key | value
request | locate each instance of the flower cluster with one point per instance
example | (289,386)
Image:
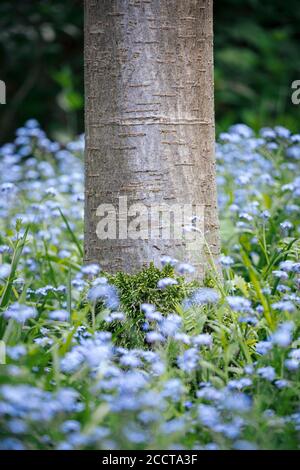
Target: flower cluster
(219,370)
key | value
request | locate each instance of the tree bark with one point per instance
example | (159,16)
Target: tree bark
(149,115)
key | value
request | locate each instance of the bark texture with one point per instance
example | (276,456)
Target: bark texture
(149,120)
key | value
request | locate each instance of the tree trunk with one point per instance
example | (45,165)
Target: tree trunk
(149,117)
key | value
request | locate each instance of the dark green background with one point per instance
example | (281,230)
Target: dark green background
(256,59)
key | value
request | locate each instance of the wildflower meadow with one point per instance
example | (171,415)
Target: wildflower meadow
(92,360)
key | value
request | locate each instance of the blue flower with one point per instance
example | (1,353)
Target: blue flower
(283,335)
(202,296)
(184,268)
(281,383)
(263,347)
(91,269)
(20,313)
(284,306)
(154,337)
(208,415)
(165,282)
(173,426)
(59,315)
(239,304)
(188,361)
(226,261)
(267,373)
(173,389)
(168,260)
(170,325)
(105,293)
(70,426)
(203,339)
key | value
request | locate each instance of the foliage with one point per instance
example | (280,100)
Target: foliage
(217,369)
(256,60)
(141,288)
(41,63)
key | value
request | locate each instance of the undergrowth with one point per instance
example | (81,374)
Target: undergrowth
(150,361)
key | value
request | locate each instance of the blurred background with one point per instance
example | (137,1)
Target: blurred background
(41,61)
